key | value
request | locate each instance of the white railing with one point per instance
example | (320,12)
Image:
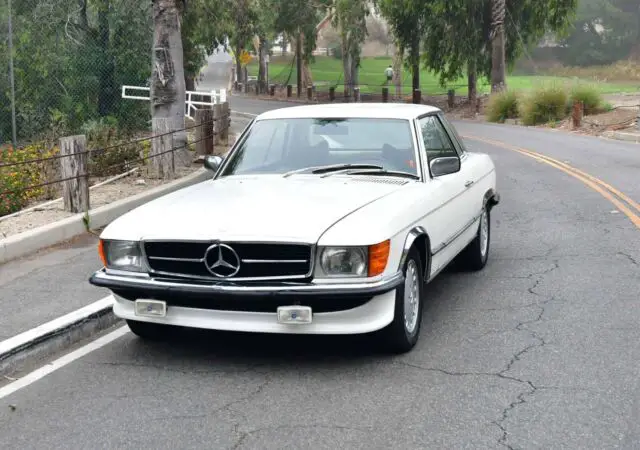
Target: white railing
(191,105)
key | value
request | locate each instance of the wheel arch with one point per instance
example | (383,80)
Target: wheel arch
(491,199)
(418,238)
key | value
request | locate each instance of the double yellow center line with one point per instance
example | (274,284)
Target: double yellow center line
(624,203)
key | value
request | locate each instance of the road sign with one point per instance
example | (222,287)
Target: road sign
(245,57)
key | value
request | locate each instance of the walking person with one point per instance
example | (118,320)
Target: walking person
(388,73)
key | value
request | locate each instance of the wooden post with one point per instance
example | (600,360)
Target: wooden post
(226,123)
(204,132)
(75,191)
(332,93)
(356,94)
(162,151)
(451,98)
(578,111)
(385,94)
(417,96)
(289,90)
(309,93)
(272,90)
(217,123)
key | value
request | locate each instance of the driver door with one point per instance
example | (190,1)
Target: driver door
(453,214)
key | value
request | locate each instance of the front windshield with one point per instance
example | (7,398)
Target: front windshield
(278,146)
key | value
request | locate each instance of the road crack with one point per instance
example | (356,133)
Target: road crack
(630,258)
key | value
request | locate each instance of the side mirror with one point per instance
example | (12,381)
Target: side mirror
(444,166)
(212,162)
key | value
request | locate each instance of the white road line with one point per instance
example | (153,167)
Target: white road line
(56,324)
(63,361)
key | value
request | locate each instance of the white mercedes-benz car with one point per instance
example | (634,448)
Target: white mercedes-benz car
(322,219)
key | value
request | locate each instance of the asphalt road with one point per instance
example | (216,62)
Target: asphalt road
(539,350)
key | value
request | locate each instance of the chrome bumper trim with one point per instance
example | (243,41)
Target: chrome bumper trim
(150,286)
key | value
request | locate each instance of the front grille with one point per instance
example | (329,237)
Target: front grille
(255,260)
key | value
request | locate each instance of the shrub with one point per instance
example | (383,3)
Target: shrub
(110,154)
(589,96)
(15,181)
(502,106)
(544,104)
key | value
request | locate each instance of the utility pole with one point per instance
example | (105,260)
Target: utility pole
(498,78)
(14,138)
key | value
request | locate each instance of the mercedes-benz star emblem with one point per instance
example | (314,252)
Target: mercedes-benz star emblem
(221,261)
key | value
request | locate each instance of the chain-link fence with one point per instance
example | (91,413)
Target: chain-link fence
(70,59)
(34,174)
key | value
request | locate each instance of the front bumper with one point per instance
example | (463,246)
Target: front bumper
(148,287)
(346,308)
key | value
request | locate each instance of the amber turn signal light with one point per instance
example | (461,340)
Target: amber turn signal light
(378,256)
(103,258)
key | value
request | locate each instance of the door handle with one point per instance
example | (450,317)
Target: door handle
(468,183)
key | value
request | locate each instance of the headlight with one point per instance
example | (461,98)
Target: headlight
(344,261)
(121,255)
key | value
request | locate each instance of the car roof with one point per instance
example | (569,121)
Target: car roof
(406,111)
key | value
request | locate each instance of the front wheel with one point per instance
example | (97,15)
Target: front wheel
(402,334)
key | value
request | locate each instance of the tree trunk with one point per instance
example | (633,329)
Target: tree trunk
(107,94)
(239,73)
(397,70)
(299,64)
(190,83)
(307,79)
(472,83)
(498,77)
(355,71)
(346,68)
(168,81)
(415,62)
(262,65)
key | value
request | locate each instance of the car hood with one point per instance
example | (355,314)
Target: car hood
(265,208)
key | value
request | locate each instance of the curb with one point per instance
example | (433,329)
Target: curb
(30,241)
(57,335)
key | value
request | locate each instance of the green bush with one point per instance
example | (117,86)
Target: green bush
(16,181)
(589,96)
(502,106)
(544,104)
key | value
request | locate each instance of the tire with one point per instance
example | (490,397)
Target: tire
(149,331)
(400,336)
(475,256)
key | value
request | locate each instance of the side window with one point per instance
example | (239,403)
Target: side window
(436,139)
(454,135)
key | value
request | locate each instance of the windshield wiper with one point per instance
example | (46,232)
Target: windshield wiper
(381,171)
(333,168)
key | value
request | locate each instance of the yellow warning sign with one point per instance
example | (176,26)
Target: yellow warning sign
(245,57)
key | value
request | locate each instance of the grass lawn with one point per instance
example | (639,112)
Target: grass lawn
(327,71)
